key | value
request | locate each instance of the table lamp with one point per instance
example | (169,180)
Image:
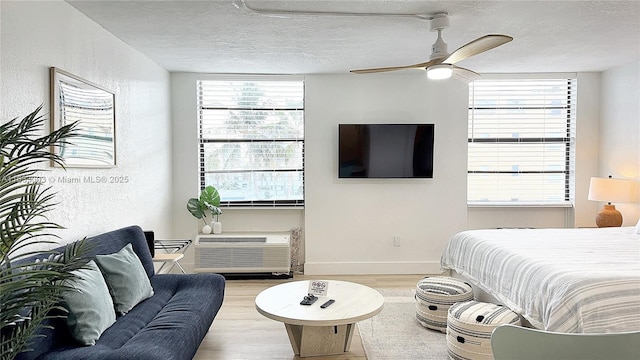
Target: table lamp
(610,190)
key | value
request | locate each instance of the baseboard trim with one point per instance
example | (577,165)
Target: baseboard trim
(373,268)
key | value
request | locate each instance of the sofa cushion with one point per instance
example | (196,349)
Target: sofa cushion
(125,276)
(89,305)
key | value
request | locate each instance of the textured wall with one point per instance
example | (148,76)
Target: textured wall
(37,35)
(619,150)
(185,175)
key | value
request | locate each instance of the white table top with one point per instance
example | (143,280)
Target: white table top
(353,302)
(168,257)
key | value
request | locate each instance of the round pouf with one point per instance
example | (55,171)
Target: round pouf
(469,328)
(434,296)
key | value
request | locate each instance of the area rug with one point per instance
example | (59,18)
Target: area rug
(395,334)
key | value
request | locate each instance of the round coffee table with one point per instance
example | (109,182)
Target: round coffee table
(315,331)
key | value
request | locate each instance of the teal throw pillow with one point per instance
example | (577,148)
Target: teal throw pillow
(89,304)
(126,278)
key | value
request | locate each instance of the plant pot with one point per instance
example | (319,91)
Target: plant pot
(206,229)
(217,227)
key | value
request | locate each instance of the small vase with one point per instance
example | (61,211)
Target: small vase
(217,227)
(206,229)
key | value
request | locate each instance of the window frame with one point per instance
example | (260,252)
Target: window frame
(568,141)
(282,203)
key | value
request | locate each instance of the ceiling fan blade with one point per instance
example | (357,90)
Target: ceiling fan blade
(463,74)
(393,68)
(476,47)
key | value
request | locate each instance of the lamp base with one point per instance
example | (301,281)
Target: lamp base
(609,217)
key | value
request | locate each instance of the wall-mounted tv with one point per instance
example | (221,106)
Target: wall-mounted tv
(385,150)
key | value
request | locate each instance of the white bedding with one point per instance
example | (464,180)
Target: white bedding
(564,280)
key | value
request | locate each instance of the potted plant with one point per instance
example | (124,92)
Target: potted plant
(30,291)
(209,201)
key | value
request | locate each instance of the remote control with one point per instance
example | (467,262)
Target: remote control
(326,305)
(309,299)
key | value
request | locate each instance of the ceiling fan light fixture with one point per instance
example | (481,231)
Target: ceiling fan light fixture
(439,72)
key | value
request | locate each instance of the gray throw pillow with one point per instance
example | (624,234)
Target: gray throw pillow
(89,304)
(126,278)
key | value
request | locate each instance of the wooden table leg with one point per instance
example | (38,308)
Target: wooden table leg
(319,340)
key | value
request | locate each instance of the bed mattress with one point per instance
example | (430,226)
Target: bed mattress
(564,280)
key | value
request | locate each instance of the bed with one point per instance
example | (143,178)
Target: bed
(562,280)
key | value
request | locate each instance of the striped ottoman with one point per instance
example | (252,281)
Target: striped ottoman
(469,328)
(434,295)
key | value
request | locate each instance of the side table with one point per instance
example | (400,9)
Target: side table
(168,259)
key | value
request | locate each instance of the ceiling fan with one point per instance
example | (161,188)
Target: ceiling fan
(441,64)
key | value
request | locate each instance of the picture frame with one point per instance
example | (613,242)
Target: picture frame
(74,99)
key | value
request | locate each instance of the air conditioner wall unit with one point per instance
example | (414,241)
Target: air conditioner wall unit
(243,253)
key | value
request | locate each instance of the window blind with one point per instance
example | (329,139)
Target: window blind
(252,141)
(521,142)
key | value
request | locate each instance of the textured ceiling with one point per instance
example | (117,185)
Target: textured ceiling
(225,37)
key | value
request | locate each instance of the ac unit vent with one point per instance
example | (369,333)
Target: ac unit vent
(243,253)
(235,239)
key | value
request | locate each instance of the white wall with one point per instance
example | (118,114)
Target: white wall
(350,223)
(186,182)
(587,142)
(619,147)
(37,35)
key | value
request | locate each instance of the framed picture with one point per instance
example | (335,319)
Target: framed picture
(74,99)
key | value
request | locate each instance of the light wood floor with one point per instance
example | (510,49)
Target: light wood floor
(239,332)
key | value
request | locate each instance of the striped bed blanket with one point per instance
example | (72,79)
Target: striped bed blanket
(563,280)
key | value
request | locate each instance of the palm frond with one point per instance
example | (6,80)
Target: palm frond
(30,290)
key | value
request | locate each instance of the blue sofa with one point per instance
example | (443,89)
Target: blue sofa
(169,325)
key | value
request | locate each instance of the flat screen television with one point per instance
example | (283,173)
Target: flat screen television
(385,150)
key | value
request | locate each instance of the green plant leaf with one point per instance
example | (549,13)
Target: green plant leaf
(209,200)
(210,196)
(196,208)
(214,209)
(29,291)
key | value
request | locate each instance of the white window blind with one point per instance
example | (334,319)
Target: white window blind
(521,142)
(252,141)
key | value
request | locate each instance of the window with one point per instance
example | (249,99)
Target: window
(252,141)
(521,142)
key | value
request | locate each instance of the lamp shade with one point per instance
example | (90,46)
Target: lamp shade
(611,190)
(437,72)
